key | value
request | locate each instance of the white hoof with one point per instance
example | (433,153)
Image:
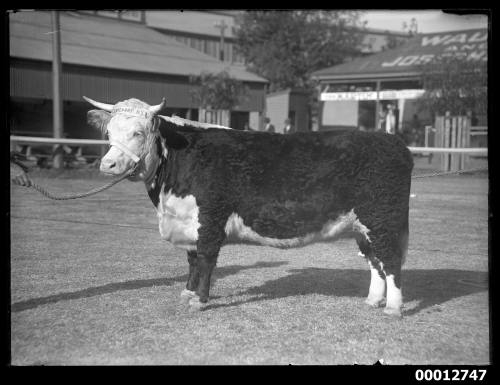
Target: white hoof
(186,295)
(393,312)
(195,304)
(374,302)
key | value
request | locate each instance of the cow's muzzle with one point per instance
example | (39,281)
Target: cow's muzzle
(114,164)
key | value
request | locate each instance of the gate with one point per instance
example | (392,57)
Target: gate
(452,132)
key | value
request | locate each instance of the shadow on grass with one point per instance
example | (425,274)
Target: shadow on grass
(427,287)
(130,285)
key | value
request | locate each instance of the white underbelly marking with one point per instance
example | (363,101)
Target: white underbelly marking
(178,220)
(358,227)
(237,231)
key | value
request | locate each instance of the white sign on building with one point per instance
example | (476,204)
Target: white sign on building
(371,95)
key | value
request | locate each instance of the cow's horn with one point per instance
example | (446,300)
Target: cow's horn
(102,106)
(156,109)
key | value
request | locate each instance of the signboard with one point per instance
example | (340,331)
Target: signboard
(471,46)
(400,94)
(371,95)
(359,95)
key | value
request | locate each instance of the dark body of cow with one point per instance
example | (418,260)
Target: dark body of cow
(282,191)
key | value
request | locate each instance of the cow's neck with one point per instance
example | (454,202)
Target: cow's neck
(149,179)
(163,177)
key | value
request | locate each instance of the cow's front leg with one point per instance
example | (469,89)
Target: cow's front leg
(206,264)
(193,278)
(209,243)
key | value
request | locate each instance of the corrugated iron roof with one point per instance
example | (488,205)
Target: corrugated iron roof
(191,21)
(405,59)
(98,42)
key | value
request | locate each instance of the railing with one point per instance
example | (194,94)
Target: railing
(481,151)
(77,142)
(478,130)
(14,139)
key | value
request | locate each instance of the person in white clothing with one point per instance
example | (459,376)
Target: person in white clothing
(390,120)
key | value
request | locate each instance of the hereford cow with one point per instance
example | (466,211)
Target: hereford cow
(214,186)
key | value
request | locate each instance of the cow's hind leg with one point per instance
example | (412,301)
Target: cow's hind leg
(390,248)
(385,245)
(394,295)
(193,278)
(393,269)
(376,293)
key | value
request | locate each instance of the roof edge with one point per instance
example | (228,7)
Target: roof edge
(347,77)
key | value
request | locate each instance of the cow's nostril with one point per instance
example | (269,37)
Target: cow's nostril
(106,164)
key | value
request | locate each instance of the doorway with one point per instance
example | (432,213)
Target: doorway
(239,119)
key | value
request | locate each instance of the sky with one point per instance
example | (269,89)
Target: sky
(428,21)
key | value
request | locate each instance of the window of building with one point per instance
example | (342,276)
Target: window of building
(352,87)
(132,15)
(401,85)
(137,16)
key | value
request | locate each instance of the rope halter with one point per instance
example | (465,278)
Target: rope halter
(149,113)
(125,150)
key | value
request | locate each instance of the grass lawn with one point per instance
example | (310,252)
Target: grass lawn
(93,283)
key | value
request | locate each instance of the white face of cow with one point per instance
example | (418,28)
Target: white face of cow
(130,127)
(127,136)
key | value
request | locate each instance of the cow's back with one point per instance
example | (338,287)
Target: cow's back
(287,166)
(285,186)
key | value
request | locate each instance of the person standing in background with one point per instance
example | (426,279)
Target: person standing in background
(288,127)
(381,119)
(268,127)
(390,120)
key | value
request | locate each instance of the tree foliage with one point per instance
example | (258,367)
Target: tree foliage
(453,83)
(218,91)
(285,47)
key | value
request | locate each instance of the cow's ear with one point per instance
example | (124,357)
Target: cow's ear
(98,119)
(169,133)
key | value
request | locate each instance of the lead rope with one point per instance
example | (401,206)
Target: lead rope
(50,195)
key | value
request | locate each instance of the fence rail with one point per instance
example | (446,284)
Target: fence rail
(39,140)
(15,139)
(450,150)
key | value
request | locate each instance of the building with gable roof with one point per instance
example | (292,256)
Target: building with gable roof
(355,94)
(107,59)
